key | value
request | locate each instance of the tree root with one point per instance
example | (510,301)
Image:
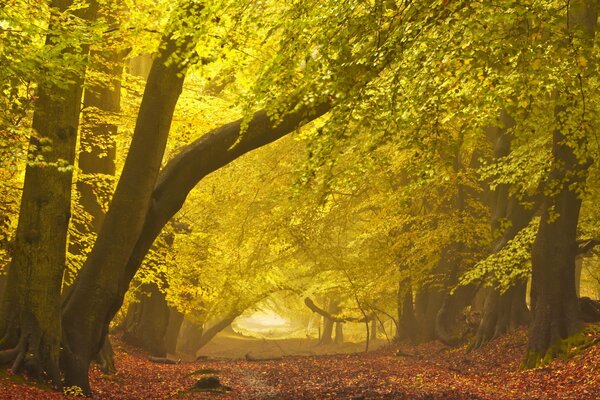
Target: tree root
(27,358)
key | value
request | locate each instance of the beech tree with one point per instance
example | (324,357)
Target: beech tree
(390,213)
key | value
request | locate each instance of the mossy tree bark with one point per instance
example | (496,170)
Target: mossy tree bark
(30,311)
(555,312)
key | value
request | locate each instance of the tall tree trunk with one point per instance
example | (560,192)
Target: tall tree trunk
(554,305)
(30,311)
(96,295)
(374,329)
(555,313)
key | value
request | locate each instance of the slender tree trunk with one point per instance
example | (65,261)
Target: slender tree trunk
(555,312)
(30,311)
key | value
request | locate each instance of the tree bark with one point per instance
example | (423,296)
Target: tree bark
(30,311)
(147,321)
(172,335)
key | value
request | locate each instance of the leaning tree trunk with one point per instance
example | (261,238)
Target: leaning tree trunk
(30,311)
(178,178)
(555,312)
(91,303)
(209,333)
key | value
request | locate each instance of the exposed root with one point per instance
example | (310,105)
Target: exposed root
(27,358)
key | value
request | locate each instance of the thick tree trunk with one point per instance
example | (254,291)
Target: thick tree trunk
(96,295)
(147,321)
(502,312)
(327,334)
(554,304)
(450,327)
(555,312)
(30,311)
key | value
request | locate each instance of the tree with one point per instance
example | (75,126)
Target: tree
(31,327)
(554,304)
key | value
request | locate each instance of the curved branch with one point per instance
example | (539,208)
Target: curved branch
(310,304)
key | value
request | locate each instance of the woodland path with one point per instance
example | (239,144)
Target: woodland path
(430,371)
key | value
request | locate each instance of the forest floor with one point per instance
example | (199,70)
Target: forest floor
(430,371)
